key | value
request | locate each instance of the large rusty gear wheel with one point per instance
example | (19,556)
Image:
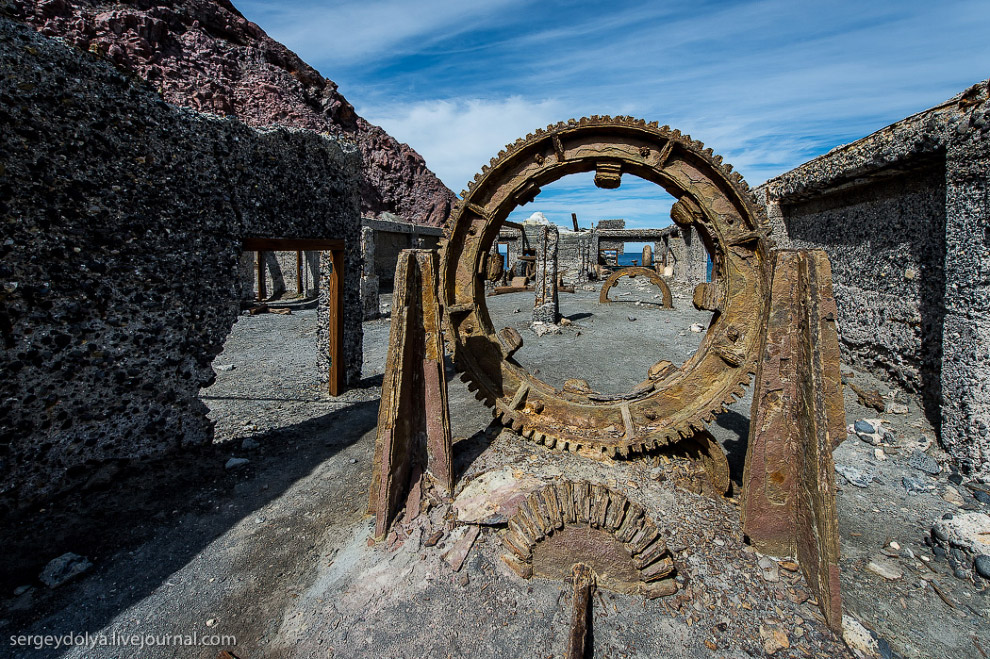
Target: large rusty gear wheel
(674,403)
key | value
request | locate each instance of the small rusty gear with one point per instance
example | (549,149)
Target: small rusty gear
(674,403)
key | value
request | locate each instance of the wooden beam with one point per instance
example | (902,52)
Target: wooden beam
(583,587)
(414,403)
(292,244)
(336,329)
(512,225)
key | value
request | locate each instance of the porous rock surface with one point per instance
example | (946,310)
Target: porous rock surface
(121,225)
(903,215)
(204,55)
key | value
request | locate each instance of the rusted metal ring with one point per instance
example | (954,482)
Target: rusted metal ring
(655,279)
(710,196)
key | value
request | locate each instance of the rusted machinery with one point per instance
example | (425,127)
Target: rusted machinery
(670,404)
(773,317)
(655,279)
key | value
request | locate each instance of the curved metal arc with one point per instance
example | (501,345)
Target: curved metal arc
(681,404)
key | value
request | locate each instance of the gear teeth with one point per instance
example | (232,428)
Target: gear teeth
(518,421)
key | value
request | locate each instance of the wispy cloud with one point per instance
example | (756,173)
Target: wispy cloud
(342,33)
(768,84)
(457,137)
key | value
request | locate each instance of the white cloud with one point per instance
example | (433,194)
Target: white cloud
(458,136)
(768,84)
(346,32)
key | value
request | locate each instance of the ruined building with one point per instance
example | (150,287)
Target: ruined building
(679,251)
(904,215)
(124,222)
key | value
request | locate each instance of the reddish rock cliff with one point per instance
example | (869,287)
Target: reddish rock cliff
(203,54)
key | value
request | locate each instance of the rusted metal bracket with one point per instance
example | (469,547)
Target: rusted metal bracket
(414,417)
(788,498)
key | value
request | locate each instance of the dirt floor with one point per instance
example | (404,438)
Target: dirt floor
(275,552)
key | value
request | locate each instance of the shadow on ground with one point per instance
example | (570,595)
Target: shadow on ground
(184,502)
(735,444)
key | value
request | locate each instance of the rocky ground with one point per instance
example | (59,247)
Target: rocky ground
(275,550)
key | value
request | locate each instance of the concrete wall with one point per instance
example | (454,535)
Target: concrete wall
(682,249)
(382,239)
(618,245)
(391,236)
(120,245)
(904,214)
(886,243)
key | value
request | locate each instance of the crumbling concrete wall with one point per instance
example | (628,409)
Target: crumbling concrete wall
(886,243)
(573,250)
(370,305)
(618,245)
(391,236)
(121,225)
(903,214)
(683,251)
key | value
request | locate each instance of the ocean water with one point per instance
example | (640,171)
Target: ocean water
(628,258)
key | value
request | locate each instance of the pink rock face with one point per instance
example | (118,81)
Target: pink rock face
(204,55)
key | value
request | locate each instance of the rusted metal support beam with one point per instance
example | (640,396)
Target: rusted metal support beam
(584,585)
(336,329)
(414,417)
(788,497)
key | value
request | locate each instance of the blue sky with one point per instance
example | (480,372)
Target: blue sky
(768,85)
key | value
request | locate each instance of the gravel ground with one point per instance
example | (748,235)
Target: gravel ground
(275,552)
(615,343)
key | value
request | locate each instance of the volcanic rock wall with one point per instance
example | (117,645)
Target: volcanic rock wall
(204,55)
(904,215)
(121,225)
